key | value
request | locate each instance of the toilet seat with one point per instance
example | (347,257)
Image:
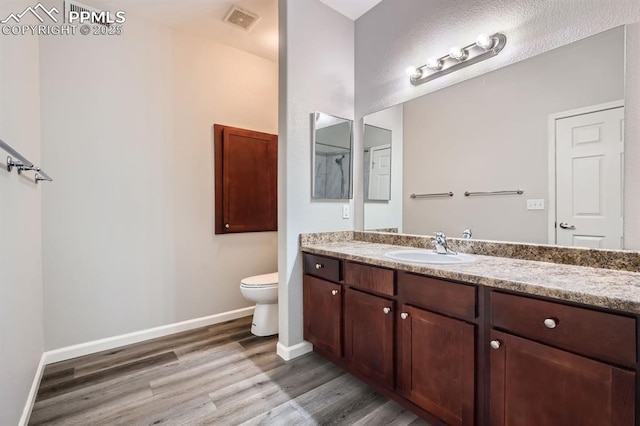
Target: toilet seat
(260,281)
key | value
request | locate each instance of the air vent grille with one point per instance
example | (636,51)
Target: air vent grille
(74,6)
(241,18)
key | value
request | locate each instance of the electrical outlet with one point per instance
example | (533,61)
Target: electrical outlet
(345,211)
(535,204)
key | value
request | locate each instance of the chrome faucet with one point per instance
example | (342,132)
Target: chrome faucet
(467,234)
(440,243)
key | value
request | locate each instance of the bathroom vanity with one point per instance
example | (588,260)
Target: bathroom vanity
(500,341)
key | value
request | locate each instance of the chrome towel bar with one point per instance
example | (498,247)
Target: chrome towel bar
(21,163)
(434,195)
(512,192)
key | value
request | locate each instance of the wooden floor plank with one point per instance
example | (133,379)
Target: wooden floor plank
(104,375)
(215,375)
(86,410)
(284,414)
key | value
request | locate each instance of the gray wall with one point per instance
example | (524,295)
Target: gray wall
(316,74)
(490,133)
(389,38)
(128,225)
(21,325)
(632,140)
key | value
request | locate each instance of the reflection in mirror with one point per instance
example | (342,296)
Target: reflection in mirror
(331,150)
(377,163)
(550,125)
(382,129)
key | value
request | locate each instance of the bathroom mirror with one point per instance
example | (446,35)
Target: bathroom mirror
(498,132)
(332,141)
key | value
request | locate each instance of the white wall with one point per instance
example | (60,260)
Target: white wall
(21,326)
(316,74)
(128,226)
(389,38)
(388,214)
(490,133)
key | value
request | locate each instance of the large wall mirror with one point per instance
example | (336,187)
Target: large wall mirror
(537,144)
(332,141)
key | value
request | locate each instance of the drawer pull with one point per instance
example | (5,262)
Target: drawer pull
(495,344)
(334,292)
(550,323)
(404,315)
(319,266)
(386,310)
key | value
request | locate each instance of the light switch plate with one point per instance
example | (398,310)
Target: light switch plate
(345,211)
(535,204)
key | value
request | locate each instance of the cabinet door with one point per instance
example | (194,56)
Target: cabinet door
(437,365)
(536,385)
(322,303)
(369,335)
(246,182)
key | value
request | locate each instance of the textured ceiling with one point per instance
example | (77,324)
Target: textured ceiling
(205,18)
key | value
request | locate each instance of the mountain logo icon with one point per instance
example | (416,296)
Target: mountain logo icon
(39,11)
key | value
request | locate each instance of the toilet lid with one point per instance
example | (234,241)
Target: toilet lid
(260,280)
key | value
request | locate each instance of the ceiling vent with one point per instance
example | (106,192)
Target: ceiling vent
(97,15)
(241,18)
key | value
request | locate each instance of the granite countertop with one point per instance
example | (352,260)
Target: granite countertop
(606,288)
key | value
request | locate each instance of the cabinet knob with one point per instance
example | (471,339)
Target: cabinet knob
(334,292)
(404,315)
(495,344)
(550,323)
(227,226)
(386,310)
(319,266)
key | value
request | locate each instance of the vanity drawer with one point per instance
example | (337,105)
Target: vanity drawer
(601,335)
(372,278)
(442,296)
(327,268)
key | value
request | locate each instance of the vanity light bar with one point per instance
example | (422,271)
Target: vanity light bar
(484,47)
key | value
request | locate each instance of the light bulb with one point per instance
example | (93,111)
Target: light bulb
(458,54)
(434,63)
(414,72)
(485,42)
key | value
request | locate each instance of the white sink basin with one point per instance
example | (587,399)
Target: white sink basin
(429,257)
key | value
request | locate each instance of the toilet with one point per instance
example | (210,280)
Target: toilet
(263,290)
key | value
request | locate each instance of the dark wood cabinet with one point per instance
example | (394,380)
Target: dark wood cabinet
(246,180)
(605,336)
(532,384)
(369,332)
(438,364)
(462,354)
(322,303)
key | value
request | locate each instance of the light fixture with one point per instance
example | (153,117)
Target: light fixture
(414,72)
(485,42)
(434,63)
(458,54)
(485,47)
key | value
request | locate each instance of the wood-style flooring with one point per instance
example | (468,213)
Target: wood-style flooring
(218,375)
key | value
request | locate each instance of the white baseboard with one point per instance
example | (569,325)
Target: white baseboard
(31,398)
(290,352)
(82,349)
